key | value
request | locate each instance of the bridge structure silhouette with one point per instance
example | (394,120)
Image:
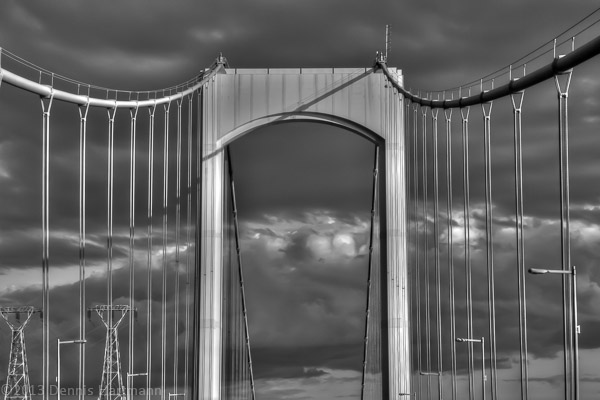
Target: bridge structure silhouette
(405,335)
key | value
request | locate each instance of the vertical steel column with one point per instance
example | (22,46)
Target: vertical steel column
(394,367)
(487,110)
(211,248)
(46,107)
(132,158)
(464,112)
(165,214)
(571,378)
(83,111)
(517,103)
(451,300)
(151,111)
(436,229)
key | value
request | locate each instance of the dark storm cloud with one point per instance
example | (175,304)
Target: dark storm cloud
(289,166)
(318,282)
(288,362)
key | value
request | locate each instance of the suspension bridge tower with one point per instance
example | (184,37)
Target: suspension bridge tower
(17,381)
(111,387)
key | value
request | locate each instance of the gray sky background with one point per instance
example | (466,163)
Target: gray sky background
(304,189)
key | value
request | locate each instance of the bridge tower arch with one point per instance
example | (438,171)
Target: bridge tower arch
(238,101)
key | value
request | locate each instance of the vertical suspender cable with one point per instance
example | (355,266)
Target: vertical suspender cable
(132,153)
(571,384)
(410,198)
(417,247)
(186,358)
(392,305)
(425,251)
(406,384)
(369,274)
(438,294)
(109,225)
(46,106)
(467,209)
(198,294)
(151,111)
(83,111)
(163,322)
(177,255)
(241,277)
(517,102)
(487,109)
(392,277)
(451,300)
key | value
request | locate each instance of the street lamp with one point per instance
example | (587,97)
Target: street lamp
(129,376)
(575,326)
(483,377)
(58,343)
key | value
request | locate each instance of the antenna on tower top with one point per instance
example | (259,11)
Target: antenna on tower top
(388,44)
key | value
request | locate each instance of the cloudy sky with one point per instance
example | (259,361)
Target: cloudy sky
(303,189)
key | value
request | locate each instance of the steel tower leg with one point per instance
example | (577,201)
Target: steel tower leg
(17,380)
(211,254)
(112,387)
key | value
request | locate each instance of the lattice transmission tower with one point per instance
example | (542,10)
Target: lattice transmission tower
(111,387)
(17,380)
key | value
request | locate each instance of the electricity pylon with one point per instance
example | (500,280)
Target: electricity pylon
(111,387)
(17,380)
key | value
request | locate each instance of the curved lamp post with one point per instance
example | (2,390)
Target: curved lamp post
(58,343)
(575,326)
